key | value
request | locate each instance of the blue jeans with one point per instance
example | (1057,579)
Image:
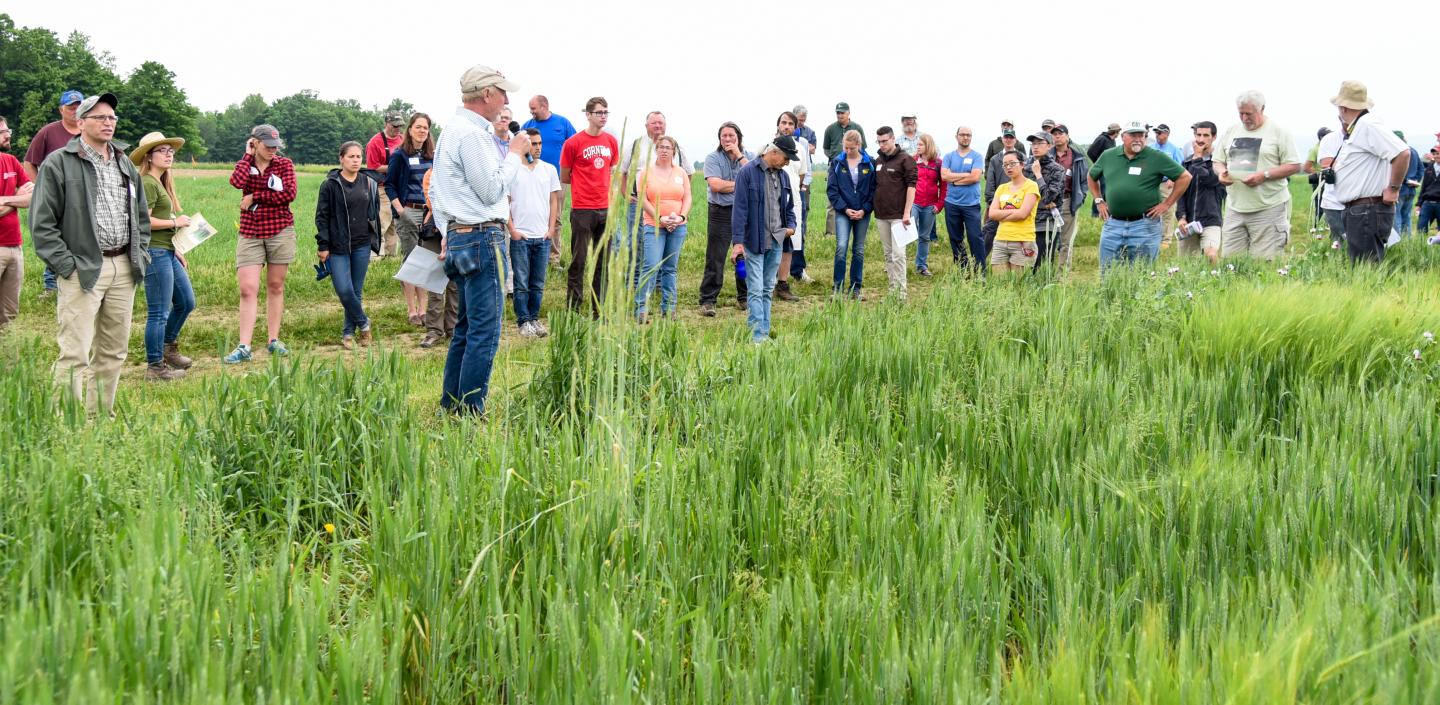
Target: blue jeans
(660,261)
(849,233)
(924,217)
(49,277)
(962,224)
(472,261)
(347,275)
(1130,240)
(761,268)
(1403,210)
(169,299)
(1429,213)
(529,256)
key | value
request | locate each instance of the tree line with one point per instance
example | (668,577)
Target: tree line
(36,66)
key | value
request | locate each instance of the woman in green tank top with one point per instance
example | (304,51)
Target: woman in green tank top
(168,294)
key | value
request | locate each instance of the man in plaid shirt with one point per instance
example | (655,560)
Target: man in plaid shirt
(267,236)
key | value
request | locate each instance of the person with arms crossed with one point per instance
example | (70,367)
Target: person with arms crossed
(666,208)
(962,170)
(1013,210)
(15,189)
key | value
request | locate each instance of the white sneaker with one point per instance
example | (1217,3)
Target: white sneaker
(805,276)
(540,328)
(527,330)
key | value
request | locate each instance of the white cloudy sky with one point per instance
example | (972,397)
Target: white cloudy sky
(1084,64)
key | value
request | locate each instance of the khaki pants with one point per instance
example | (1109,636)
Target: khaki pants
(1067,232)
(441,310)
(1263,234)
(894,255)
(1167,221)
(12,273)
(390,243)
(1209,239)
(95,333)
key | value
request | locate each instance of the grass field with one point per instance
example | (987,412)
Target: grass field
(1172,487)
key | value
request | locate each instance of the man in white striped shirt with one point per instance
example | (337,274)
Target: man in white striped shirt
(468,195)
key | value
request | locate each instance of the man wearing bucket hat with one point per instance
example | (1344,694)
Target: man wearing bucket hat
(1369,172)
(377,158)
(91,224)
(48,140)
(169,298)
(469,192)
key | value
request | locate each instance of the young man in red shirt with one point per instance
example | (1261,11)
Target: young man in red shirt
(15,188)
(586,163)
(377,158)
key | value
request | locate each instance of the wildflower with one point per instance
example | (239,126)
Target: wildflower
(1283,271)
(329,528)
(1335,245)
(1214,272)
(1415,353)
(1230,267)
(1190,295)
(1428,336)
(1172,270)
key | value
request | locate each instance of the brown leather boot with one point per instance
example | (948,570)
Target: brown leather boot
(782,291)
(161,372)
(174,359)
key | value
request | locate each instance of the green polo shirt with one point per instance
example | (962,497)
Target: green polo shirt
(1132,186)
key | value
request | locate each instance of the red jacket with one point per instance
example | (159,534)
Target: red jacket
(929,189)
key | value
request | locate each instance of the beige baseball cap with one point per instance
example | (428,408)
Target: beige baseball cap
(477,77)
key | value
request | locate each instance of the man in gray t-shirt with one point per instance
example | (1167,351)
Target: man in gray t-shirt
(721,166)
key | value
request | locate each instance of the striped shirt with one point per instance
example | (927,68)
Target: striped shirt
(468,183)
(112,206)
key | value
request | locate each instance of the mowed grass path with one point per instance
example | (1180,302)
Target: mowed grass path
(1205,485)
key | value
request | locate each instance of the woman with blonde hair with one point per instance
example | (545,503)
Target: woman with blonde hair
(666,212)
(929,200)
(169,298)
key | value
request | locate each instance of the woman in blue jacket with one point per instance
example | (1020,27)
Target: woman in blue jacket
(347,230)
(852,193)
(405,197)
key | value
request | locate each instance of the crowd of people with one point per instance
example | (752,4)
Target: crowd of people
(486,199)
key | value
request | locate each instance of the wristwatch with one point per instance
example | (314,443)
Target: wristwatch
(1265,174)
(1099,200)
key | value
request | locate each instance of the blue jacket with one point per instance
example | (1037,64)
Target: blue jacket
(397,177)
(844,194)
(747,220)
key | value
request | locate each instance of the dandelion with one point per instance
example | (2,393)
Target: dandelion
(329,528)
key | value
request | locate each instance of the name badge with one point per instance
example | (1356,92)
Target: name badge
(968,160)
(414,161)
(1134,171)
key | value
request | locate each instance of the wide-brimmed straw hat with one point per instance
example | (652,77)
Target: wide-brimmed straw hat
(1353,96)
(151,141)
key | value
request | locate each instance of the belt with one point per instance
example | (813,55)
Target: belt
(1128,220)
(413,204)
(121,250)
(473,228)
(1367,201)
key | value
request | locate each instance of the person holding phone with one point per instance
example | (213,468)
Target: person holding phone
(267,236)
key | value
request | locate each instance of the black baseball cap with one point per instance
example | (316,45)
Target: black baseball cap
(786,144)
(1162,127)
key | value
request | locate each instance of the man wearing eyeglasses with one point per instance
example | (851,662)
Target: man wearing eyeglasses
(1130,203)
(15,189)
(586,162)
(91,225)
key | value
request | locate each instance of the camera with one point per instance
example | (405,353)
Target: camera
(1328,175)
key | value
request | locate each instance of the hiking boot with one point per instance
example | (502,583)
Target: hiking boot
(160,372)
(429,341)
(240,354)
(742,304)
(347,342)
(174,359)
(367,337)
(540,329)
(782,292)
(707,310)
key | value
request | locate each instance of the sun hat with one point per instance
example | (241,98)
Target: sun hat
(1354,96)
(151,141)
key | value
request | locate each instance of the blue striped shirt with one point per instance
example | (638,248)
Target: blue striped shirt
(470,180)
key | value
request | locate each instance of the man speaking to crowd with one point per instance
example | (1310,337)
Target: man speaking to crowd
(1368,173)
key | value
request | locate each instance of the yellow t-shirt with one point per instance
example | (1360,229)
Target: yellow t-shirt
(1011,198)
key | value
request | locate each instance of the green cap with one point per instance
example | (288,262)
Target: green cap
(842,107)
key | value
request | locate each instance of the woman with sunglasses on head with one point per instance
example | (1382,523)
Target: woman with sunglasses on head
(405,197)
(267,236)
(169,298)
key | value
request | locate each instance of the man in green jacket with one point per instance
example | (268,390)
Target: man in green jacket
(835,146)
(91,225)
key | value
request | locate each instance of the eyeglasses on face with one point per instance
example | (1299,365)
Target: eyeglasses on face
(600,113)
(102,118)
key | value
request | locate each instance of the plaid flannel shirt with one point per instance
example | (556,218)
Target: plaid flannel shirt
(270,212)
(112,198)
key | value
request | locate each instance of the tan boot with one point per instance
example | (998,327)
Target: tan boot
(174,359)
(366,337)
(160,372)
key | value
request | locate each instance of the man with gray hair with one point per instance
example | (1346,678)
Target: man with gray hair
(1369,173)
(764,216)
(1255,160)
(469,192)
(802,130)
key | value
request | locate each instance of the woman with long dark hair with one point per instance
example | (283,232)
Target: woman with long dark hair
(347,231)
(405,196)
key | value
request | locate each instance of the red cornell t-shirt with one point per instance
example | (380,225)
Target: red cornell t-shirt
(589,160)
(12,177)
(375,154)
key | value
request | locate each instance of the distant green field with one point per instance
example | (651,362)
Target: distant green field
(1190,486)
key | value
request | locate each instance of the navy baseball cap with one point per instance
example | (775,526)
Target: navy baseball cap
(71,97)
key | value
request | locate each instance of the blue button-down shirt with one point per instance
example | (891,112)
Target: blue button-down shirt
(469,181)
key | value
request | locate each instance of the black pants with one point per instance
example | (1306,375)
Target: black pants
(717,249)
(587,230)
(1367,227)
